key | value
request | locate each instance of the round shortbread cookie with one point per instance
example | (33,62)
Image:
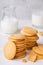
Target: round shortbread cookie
(17,37)
(37,50)
(22,56)
(32,57)
(32,38)
(28,31)
(30,47)
(21,42)
(40,33)
(10,50)
(31,43)
(28,41)
(20,53)
(20,50)
(17,41)
(20,45)
(39,57)
(40,46)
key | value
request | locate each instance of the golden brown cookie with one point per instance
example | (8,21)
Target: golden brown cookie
(16,41)
(31,43)
(28,41)
(17,37)
(20,45)
(28,48)
(40,46)
(32,57)
(22,56)
(32,38)
(39,57)
(29,31)
(37,50)
(20,50)
(20,42)
(21,53)
(40,33)
(9,50)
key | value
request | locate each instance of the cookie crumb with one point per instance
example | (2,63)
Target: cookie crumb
(24,60)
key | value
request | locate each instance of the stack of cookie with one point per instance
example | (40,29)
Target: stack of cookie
(19,41)
(30,36)
(36,53)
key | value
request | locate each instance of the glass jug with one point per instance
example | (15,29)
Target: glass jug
(9,22)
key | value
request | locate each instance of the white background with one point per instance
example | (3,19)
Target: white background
(24,8)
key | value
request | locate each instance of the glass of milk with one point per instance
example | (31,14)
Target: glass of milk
(37,19)
(9,22)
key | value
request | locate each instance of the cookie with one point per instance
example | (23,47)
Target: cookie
(40,46)
(33,38)
(10,50)
(28,41)
(22,56)
(39,57)
(40,33)
(17,37)
(28,48)
(20,45)
(21,53)
(37,50)
(28,31)
(32,57)
(20,50)
(31,43)
(16,41)
(19,42)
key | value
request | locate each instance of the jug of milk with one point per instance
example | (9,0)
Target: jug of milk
(9,22)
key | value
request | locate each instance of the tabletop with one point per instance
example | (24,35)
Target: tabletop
(3,40)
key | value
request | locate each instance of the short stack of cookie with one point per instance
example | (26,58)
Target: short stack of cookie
(30,36)
(36,53)
(19,41)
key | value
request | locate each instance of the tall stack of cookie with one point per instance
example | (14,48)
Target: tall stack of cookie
(30,36)
(19,41)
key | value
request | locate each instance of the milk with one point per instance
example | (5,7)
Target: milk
(37,19)
(9,25)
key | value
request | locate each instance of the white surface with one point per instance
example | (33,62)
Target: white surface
(3,40)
